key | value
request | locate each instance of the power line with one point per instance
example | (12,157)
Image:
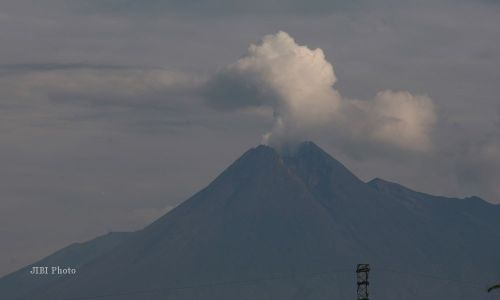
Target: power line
(211,284)
(431,276)
(270,278)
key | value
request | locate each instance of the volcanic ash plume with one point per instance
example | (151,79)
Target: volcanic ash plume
(297,83)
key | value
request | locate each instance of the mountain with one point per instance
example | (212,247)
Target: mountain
(286,226)
(76,255)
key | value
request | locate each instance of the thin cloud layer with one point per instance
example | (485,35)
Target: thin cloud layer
(297,83)
(118,86)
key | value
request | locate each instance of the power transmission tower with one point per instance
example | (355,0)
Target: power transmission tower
(362,280)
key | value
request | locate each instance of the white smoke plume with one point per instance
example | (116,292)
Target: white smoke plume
(297,83)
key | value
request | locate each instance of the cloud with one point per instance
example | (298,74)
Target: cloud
(295,80)
(297,83)
(101,85)
(396,118)
(221,7)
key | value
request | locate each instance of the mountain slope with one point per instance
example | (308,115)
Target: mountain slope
(301,213)
(76,255)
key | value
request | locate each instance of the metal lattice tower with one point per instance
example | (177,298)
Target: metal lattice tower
(362,280)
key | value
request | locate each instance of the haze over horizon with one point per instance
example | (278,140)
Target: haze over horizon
(113,112)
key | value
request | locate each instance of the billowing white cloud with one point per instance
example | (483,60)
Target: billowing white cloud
(297,83)
(396,118)
(294,80)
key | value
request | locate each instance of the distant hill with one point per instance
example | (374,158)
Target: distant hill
(286,226)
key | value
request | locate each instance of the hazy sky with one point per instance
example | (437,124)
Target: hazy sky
(108,120)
